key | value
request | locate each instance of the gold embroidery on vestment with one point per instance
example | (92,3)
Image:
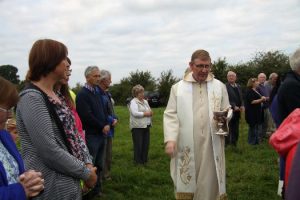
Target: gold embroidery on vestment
(184,196)
(185,159)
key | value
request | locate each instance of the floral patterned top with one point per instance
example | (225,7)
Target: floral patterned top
(78,146)
(10,165)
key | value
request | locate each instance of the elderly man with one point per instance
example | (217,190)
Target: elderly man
(94,120)
(266,113)
(237,105)
(197,153)
(271,82)
(105,81)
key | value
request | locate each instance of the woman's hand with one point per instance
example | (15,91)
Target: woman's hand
(263,98)
(90,183)
(148,114)
(32,182)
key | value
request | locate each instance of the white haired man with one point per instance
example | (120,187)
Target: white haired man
(237,105)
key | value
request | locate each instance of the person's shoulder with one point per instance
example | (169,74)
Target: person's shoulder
(228,86)
(4,134)
(30,95)
(82,91)
(133,100)
(217,81)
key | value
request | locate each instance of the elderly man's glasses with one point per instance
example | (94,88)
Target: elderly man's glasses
(7,110)
(202,66)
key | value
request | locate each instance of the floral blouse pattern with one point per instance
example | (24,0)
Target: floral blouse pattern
(78,146)
(10,165)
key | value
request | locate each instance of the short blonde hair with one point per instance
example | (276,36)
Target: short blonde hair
(251,82)
(136,90)
(200,54)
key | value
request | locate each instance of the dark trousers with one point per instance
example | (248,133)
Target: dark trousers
(264,125)
(141,141)
(253,131)
(233,136)
(108,157)
(96,145)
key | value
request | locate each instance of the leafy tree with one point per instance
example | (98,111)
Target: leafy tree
(143,78)
(77,87)
(122,91)
(220,68)
(266,62)
(21,85)
(271,61)
(9,72)
(165,83)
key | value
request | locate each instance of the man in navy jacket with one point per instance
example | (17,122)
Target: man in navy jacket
(94,117)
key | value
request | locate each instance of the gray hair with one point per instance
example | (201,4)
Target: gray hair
(272,75)
(295,60)
(136,90)
(89,70)
(104,74)
(262,74)
(231,73)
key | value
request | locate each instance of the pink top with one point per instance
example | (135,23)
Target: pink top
(78,124)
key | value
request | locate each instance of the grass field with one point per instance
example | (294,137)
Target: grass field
(252,171)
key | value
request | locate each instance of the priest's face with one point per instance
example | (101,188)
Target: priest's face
(200,69)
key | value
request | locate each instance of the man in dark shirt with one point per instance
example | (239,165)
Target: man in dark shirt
(94,117)
(237,105)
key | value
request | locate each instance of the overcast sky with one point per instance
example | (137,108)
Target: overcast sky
(156,35)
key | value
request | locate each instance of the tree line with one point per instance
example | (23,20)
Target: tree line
(266,62)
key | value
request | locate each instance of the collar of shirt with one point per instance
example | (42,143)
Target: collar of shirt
(233,85)
(90,88)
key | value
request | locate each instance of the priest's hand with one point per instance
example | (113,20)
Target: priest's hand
(170,148)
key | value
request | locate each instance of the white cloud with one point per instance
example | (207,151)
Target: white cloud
(154,35)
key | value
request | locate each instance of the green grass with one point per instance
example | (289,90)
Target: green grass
(252,171)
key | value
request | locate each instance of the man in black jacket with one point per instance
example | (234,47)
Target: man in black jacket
(237,105)
(94,117)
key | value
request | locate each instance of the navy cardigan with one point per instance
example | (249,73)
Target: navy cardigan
(16,190)
(91,110)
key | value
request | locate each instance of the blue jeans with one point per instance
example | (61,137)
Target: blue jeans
(253,134)
(96,145)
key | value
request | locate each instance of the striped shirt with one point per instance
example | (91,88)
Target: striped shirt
(44,149)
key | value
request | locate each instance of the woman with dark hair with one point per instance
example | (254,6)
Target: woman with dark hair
(46,144)
(64,93)
(15,183)
(253,110)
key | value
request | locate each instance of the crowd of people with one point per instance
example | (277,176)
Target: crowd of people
(191,138)
(67,140)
